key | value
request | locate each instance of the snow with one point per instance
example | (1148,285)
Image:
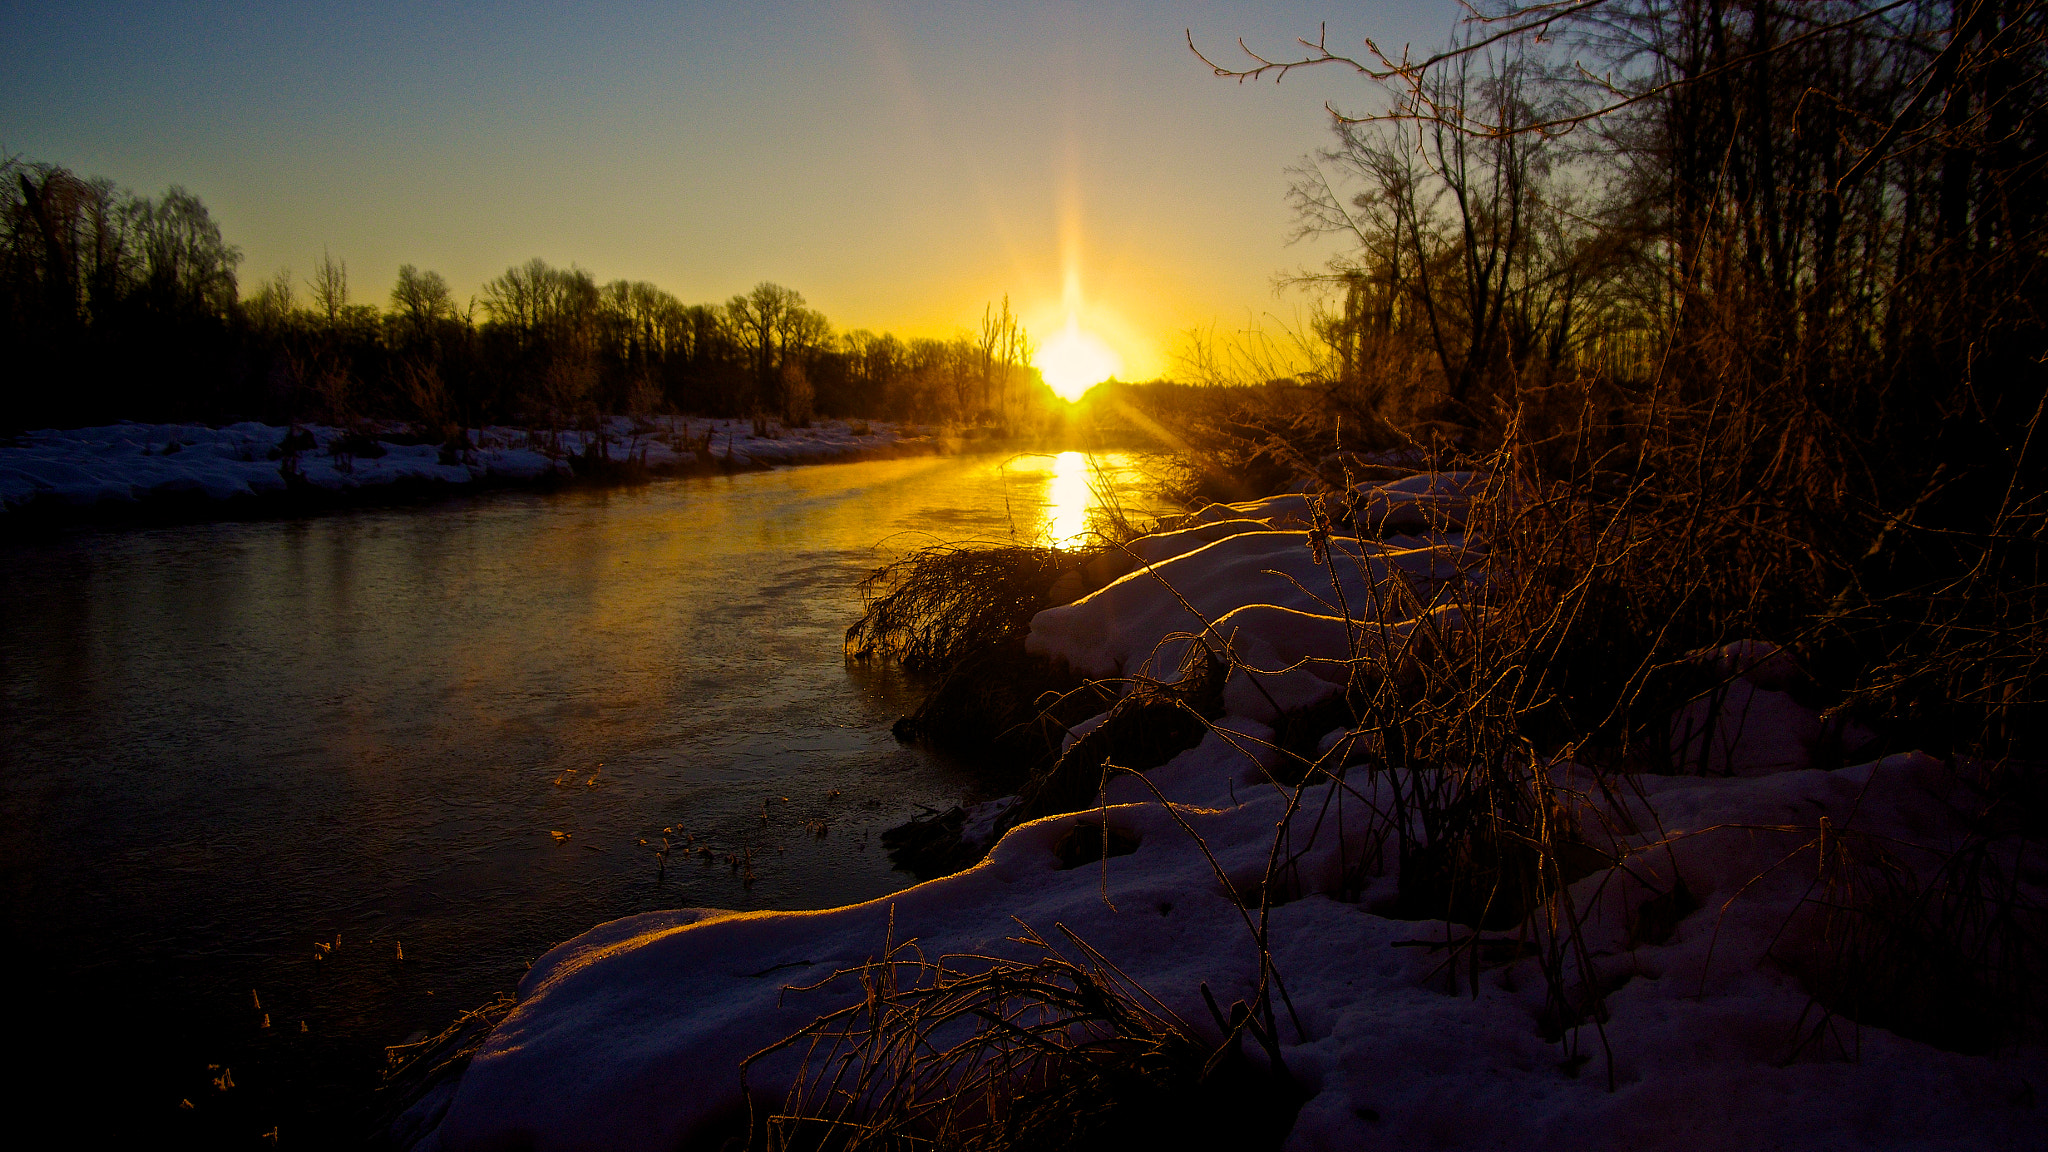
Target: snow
(631,1035)
(1740,729)
(1426,501)
(1287,510)
(1751,723)
(1116,630)
(1703,1030)
(1760,662)
(128,464)
(1163,546)
(1429,501)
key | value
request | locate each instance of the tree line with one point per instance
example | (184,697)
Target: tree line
(121,306)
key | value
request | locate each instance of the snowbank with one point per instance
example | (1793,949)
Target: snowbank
(1116,630)
(630,1036)
(132,465)
(1425,502)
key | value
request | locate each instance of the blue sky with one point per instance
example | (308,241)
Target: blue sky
(900,164)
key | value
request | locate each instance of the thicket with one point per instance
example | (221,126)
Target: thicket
(1738,307)
(120,306)
(1761,285)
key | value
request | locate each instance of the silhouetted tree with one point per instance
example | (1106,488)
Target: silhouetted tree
(329,287)
(420,305)
(760,322)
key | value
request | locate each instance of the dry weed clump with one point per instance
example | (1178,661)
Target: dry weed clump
(960,613)
(412,1072)
(1005,705)
(1059,1052)
(936,607)
(933,607)
(1145,727)
(1950,953)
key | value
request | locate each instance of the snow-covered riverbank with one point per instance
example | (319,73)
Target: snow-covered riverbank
(190,469)
(1686,1023)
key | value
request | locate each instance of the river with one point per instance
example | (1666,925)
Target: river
(247,766)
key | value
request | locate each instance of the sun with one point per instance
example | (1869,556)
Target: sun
(1075,361)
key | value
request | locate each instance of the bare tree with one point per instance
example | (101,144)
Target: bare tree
(1002,349)
(419,302)
(330,287)
(764,322)
(186,264)
(271,306)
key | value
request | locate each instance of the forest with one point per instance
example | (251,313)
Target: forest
(120,306)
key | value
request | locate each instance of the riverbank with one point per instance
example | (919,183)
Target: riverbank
(1693,978)
(132,472)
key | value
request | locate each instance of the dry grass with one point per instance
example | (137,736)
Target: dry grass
(413,1071)
(1621,543)
(1951,957)
(936,606)
(1063,1051)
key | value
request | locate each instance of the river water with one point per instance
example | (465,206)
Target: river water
(246,766)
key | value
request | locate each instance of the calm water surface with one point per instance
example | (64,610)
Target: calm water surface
(447,729)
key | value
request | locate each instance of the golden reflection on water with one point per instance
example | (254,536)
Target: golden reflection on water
(1068,501)
(1076,494)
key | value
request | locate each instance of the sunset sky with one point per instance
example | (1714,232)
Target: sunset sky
(899,164)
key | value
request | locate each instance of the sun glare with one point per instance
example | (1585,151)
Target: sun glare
(1075,361)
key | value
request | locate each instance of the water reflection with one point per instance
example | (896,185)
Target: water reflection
(1075,495)
(1069,501)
